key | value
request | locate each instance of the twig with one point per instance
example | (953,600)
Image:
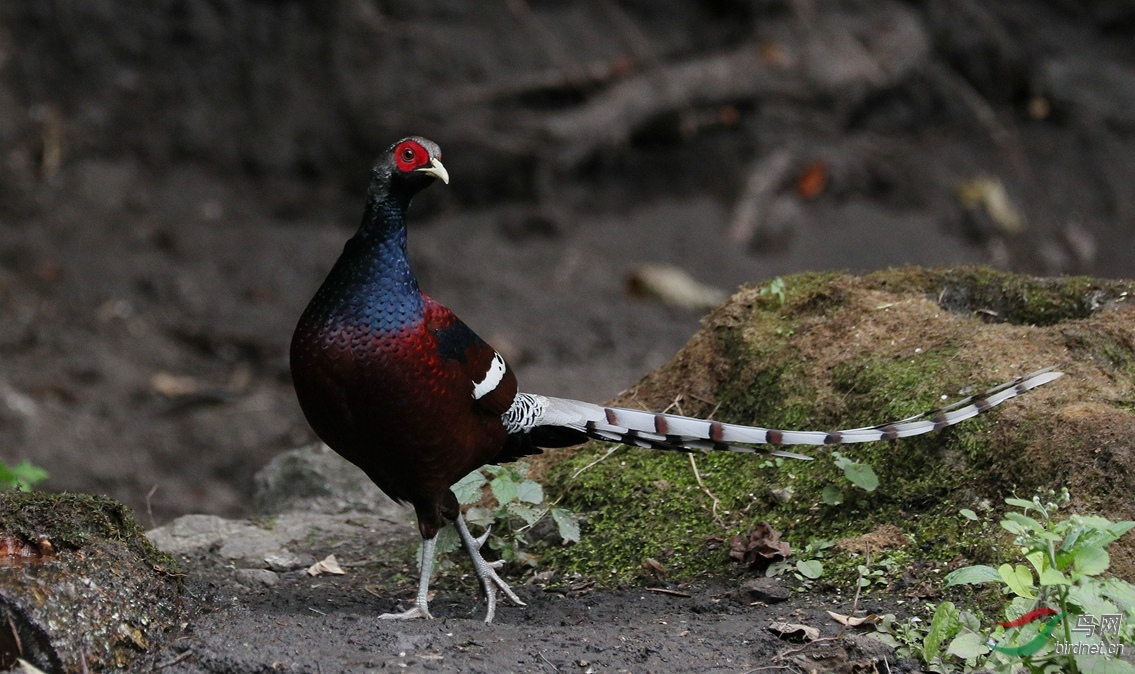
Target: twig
(150,510)
(371,590)
(716,518)
(610,118)
(597,461)
(1007,139)
(765,177)
(15,633)
(594,73)
(633,35)
(176,660)
(807,72)
(675,404)
(666,590)
(843,626)
(549,662)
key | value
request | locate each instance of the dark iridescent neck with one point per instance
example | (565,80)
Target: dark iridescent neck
(377,269)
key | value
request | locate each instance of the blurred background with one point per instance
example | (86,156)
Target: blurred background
(177,176)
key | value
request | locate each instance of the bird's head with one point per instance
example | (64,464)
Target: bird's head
(410,165)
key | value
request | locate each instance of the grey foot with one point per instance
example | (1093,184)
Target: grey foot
(486,571)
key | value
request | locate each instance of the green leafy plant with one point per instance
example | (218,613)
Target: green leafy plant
(22,476)
(951,641)
(1057,601)
(776,288)
(878,572)
(859,474)
(513,505)
(805,566)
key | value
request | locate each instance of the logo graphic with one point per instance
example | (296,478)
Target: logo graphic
(1037,642)
(1087,625)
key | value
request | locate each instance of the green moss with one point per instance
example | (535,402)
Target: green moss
(793,364)
(71,521)
(1011,298)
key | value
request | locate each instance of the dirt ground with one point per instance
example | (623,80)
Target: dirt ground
(318,625)
(176,179)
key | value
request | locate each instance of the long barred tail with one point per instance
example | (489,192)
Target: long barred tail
(671,432)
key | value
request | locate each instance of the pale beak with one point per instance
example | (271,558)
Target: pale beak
(436,170)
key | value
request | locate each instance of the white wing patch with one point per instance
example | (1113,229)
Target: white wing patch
(492,377)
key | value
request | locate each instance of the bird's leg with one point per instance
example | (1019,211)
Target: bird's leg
(486,571)
(421,607)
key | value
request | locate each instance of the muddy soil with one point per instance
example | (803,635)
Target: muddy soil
(327,625)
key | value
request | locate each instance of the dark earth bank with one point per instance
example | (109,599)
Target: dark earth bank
(176,178)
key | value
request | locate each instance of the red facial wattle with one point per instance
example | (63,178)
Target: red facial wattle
(410,155)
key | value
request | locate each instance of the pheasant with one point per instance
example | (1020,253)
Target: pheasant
(394,382)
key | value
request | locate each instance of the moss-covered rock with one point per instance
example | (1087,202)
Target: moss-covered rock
(81,587)
(841,351)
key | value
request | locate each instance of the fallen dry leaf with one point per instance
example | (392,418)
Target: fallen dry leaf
(674,286)
(654,568)
(990,196)
(28,668)
(328,564)
(760,547)
(886,537)
(173,386)
(853,621)
(794,631)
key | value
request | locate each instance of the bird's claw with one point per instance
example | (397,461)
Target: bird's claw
(486,570)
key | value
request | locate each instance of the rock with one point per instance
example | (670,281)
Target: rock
(191,532)
(766,590)
(256,577)
(286,560)
(317,500)
(865,646)
(833,350)
(314,478)
(252,545)
(275,542)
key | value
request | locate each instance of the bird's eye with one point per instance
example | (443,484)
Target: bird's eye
(409,156)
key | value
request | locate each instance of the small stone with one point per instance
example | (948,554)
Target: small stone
(286,560)
(766,590)
(316,479)
(256,577)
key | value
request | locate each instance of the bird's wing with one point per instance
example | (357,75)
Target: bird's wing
(492,383)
